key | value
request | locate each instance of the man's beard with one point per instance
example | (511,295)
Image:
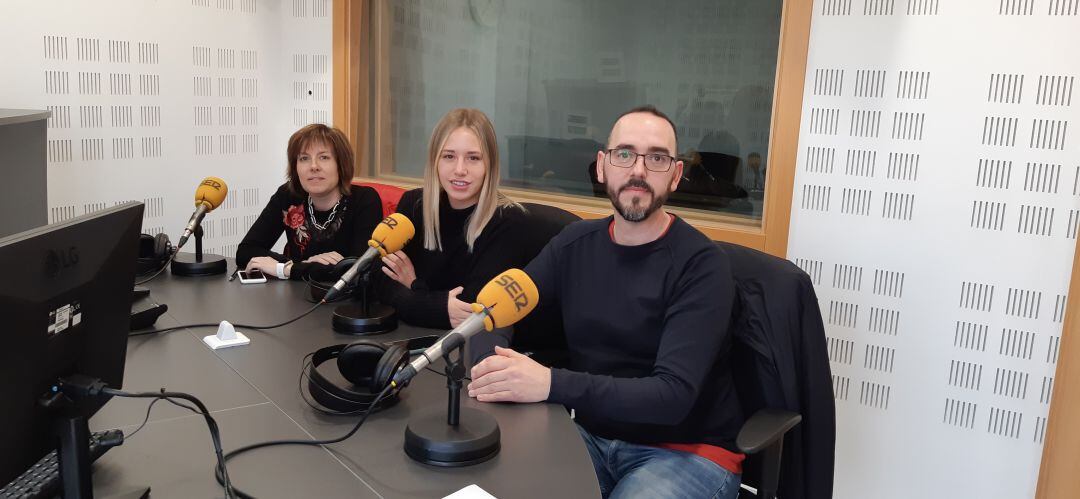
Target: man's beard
(636,211)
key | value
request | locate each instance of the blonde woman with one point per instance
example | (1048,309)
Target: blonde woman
(466,231)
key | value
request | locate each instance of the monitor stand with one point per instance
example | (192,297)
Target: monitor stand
(73,454)
(73,448)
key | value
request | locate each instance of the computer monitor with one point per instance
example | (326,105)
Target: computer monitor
(65,305)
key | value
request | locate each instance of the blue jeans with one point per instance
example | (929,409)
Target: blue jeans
(627,470)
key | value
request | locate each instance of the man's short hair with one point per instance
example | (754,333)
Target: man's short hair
(651,109)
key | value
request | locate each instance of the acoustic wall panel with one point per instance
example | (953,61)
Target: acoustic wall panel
(150,97)
(936,208)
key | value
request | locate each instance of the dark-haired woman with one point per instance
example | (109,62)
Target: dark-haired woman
(324,217)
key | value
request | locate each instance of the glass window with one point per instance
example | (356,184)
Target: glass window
(554,75)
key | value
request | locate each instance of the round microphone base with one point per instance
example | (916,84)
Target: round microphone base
(186,264)
(429,440)
(351,319)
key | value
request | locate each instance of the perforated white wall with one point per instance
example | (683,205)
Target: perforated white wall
(150,97)
(936,208)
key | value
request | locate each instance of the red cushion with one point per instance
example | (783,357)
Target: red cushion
(389,194)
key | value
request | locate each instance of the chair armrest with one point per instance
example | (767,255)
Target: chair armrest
(764,428)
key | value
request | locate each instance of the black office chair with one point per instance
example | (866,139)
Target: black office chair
(761,438)
(541,332)
(781,371)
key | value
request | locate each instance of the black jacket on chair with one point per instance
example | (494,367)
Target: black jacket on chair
(781,361)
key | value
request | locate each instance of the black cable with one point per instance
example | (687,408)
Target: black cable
(244,326)
(159,271)
(215,433)
(144,421)
(429,368)
(223,478)
(182,406)
(151,407)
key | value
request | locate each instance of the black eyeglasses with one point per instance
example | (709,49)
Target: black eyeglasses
(625,158)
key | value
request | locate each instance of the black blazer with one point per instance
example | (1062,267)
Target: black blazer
(780,360)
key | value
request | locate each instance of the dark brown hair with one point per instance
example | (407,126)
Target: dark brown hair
(343,155)
(651,109)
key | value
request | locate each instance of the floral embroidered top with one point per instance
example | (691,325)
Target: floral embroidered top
(345,229)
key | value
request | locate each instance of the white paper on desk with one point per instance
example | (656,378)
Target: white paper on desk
(471,492)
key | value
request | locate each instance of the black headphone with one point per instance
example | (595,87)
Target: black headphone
(154,251)
(320,281)
(367,365)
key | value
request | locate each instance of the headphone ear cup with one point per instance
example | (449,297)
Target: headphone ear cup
(358,360)
(144,261)
(341,267)
(321,278)
(391,361)
(162,246)
(146,245)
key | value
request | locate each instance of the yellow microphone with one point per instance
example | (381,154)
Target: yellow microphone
(502,302)
(211,192)
(209,195)
(392,234)
(506,299)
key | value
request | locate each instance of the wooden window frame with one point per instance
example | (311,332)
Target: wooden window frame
(359,53)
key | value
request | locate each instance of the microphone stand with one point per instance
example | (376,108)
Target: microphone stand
(455,374)
(450,440)
(369,316)
(198,264)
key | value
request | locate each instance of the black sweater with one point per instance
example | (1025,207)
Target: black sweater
(647,328)
(504,243)
(348,233)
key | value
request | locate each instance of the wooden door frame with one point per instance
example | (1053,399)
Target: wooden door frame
(1059,473)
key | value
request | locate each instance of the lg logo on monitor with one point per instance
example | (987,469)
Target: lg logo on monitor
(58,260)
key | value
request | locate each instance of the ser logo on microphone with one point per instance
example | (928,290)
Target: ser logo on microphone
(513,288)
(390,222)
(209,182)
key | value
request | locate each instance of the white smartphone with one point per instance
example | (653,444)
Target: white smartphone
(251,276)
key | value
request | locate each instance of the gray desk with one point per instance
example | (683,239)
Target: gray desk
(253,392)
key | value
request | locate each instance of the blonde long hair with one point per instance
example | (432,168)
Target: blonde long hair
(490,197)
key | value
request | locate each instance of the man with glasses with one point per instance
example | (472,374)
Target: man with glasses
(646,300)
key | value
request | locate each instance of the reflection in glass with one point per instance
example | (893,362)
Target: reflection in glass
(554,76)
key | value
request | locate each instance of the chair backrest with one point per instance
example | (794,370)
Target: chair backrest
(780,361)
(548,220)
(542,331)
(388,194)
